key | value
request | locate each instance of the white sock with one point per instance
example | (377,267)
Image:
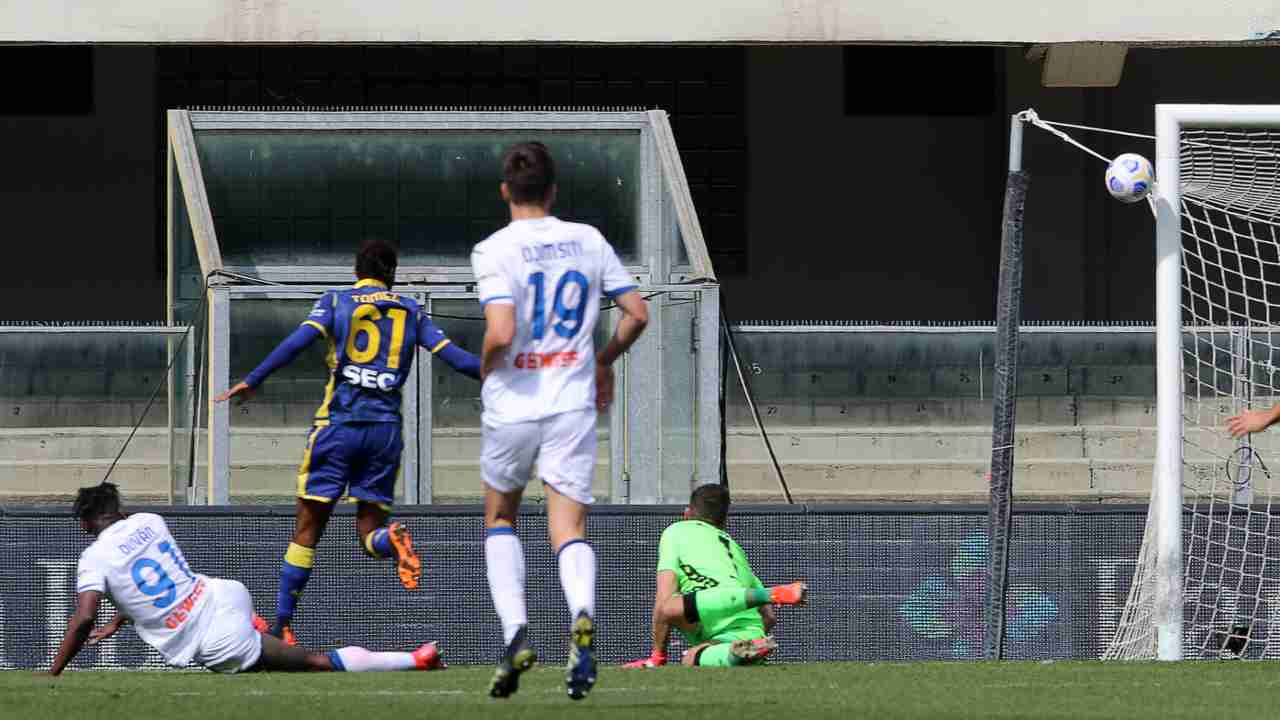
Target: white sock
(504,560)
(357,659)
(578,577)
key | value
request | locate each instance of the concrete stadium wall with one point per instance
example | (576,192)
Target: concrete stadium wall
(852,415)
(785,21)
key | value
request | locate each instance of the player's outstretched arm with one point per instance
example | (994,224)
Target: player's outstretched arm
(1252,421)
(460,360)
(78,629)
(285,353)
(434,339)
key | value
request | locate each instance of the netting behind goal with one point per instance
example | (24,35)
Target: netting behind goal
(1229,217)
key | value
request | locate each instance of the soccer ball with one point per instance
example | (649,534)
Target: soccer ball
(1129,177)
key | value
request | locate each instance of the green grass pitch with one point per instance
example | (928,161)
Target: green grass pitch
(1077,690)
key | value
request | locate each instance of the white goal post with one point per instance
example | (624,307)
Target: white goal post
(1166,492)
(1207,579)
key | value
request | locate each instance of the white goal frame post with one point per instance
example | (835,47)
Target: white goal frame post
(1168,489)
(1165,525)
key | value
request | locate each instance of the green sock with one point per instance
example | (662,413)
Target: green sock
(718,655)
(722,602)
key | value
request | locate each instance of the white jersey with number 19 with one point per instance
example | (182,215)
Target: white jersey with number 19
(554,273)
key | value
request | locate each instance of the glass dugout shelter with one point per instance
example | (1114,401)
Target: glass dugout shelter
(266,209)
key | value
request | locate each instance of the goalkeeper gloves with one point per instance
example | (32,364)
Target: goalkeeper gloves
(657,659)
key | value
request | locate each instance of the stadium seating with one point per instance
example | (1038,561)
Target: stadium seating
(854,416)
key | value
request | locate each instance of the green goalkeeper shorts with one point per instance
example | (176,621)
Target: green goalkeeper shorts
(740,629)
(743,633)
(719,654)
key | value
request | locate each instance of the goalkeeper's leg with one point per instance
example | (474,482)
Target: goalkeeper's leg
(709,607)
(731,649)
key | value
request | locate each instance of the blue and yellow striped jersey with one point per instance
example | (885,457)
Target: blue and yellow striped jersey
(372,335)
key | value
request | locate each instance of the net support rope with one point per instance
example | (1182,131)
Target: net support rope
(1230,227)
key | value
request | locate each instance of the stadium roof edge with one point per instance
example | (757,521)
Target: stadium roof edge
(654,22)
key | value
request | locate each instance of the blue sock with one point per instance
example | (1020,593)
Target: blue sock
(378,544)
(294,573)
(336,661)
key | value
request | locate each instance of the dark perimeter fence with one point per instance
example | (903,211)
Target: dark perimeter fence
(903,582)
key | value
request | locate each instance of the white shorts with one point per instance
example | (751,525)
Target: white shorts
(563,446)
(230,643)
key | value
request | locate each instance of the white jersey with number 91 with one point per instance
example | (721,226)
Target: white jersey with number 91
(138,565)
(554,273)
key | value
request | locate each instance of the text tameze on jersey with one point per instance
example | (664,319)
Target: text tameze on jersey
(372,298)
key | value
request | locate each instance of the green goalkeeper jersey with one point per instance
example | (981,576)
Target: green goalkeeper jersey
(703,557)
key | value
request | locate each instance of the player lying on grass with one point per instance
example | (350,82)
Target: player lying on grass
(355,442)
(707,591)
(186,616)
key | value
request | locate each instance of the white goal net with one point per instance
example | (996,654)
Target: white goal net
(1225,214)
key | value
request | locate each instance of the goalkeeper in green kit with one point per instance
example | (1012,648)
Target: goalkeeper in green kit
(707,591)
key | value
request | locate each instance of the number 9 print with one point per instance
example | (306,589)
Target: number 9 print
(160,584)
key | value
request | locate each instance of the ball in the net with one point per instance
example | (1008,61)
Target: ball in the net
(1130,177)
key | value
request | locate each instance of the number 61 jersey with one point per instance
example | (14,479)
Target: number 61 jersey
(372,334)
(138,565)
(554,273)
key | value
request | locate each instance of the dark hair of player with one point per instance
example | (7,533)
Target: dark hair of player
(529,172)
(710,503)
(97,502)
(377,260)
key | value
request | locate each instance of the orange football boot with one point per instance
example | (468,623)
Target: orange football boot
(408,566)
(428,657)
(796,593)
(284,632)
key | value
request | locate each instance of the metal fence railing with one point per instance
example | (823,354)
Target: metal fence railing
(72,395)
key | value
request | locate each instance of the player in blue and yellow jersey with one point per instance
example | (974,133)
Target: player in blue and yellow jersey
(355,443)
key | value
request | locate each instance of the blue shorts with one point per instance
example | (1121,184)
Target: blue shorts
(357,459)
